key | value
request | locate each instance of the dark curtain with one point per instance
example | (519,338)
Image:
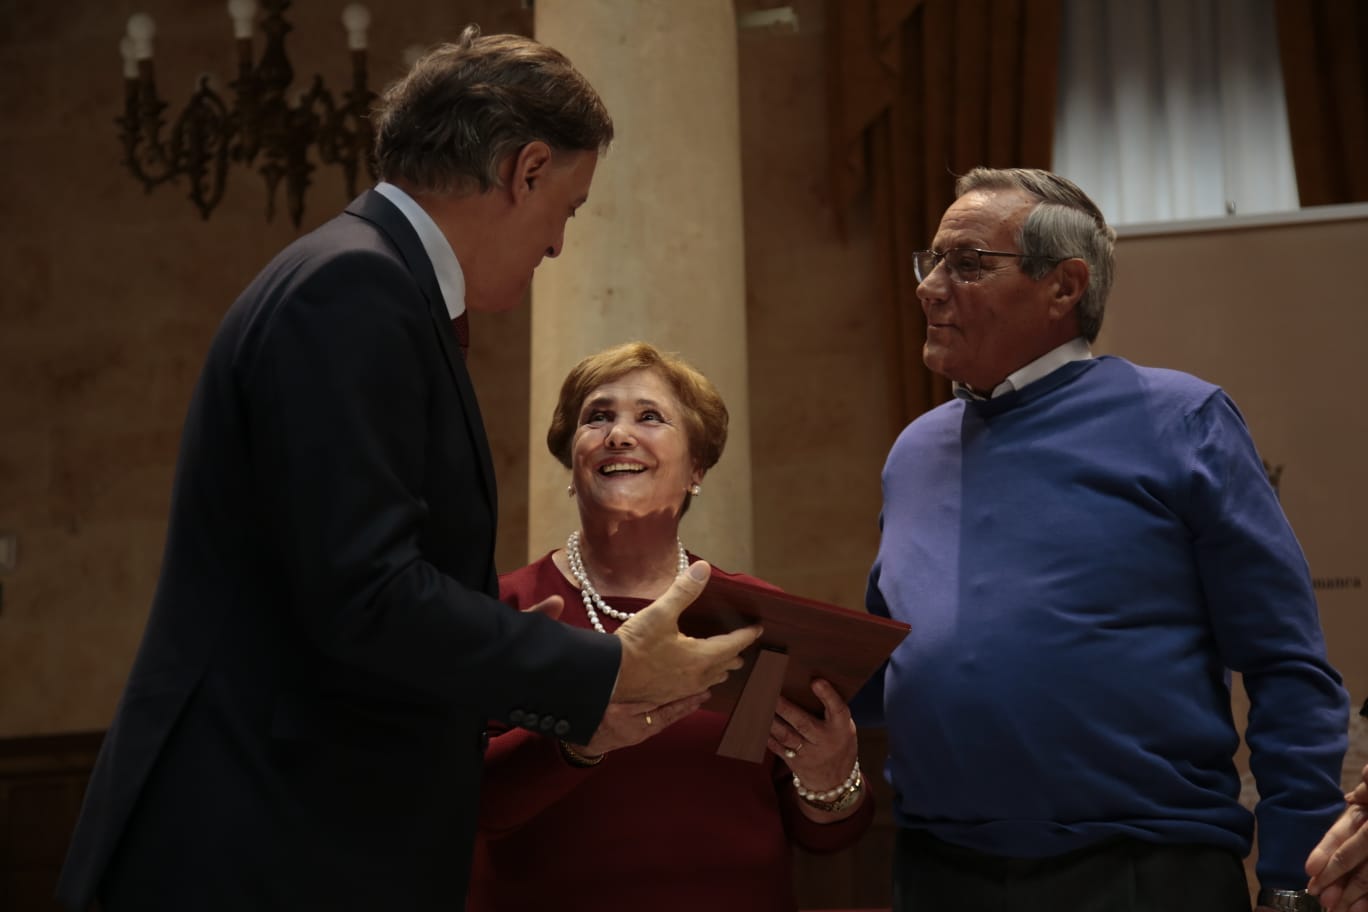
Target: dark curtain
(921,91)
(1324,47)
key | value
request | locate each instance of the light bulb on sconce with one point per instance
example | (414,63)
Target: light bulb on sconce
(356,19)
(242,12)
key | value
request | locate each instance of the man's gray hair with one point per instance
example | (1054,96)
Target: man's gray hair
(1065,224)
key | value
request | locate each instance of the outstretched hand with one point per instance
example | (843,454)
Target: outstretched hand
(661,665)
(1339,865)
(625,724)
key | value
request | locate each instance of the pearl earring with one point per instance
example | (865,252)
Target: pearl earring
(696,489)
(569,490)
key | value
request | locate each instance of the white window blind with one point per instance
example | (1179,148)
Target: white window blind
(1174,109)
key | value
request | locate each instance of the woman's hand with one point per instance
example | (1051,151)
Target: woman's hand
(820,752)
(625,724)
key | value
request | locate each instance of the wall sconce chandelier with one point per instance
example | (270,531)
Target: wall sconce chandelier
(262,125)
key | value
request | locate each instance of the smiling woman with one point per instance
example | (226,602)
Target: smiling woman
(631,401)
(638,429)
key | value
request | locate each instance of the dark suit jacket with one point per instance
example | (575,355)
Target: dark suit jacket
(303,725)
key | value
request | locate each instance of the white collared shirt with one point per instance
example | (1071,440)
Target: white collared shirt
(1076,349)
(450,278)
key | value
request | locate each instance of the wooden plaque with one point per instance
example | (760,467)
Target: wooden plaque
(821,640)
(747,734)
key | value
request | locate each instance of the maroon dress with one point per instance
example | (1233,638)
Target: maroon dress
(662,825)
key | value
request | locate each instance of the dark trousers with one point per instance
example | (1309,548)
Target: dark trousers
(1122,875)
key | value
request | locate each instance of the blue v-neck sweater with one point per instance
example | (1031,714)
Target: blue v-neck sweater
(1081,561)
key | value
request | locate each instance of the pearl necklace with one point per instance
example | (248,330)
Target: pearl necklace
(592,600)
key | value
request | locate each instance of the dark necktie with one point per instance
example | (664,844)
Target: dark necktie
(461,325)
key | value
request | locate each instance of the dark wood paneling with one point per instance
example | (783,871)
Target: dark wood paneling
(42,780)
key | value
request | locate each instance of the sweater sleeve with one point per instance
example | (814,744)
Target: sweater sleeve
(867,706)
(1263,614)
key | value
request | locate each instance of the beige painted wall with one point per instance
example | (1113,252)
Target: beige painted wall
(111,296)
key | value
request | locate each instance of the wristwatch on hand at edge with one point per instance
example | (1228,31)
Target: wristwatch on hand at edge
(1289,900)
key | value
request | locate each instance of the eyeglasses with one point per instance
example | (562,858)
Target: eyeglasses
(965,264)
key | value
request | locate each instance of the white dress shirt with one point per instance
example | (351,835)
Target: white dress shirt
(1076,349)
(450,278)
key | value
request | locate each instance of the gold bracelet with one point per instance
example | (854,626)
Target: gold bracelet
(575,758)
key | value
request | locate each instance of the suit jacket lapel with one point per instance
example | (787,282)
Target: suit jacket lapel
(374,208)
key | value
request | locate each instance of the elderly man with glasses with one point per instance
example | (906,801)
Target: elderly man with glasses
(1085,549)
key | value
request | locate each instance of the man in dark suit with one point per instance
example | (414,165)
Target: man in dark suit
(303,725)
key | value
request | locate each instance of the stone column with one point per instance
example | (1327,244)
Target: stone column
(657,253)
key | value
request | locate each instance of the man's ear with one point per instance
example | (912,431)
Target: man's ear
(529,165)
(1071,280)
